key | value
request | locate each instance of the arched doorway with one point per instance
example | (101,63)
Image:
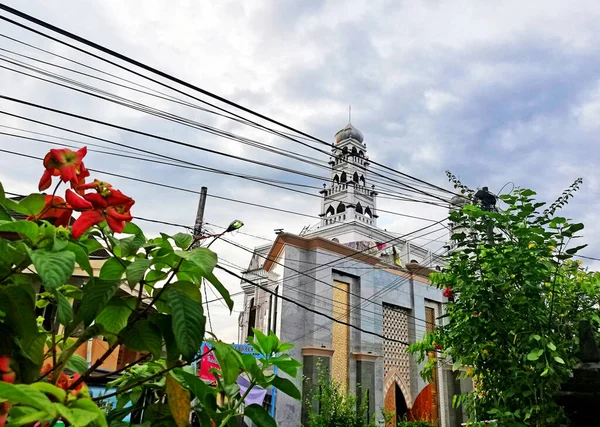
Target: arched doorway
(401,408)
(396,403)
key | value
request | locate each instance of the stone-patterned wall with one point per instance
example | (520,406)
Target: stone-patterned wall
(396,360)
(340,333)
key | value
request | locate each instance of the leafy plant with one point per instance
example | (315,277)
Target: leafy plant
(162,316)
(329,405)
(515,298)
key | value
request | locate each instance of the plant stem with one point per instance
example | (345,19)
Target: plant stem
(237,405)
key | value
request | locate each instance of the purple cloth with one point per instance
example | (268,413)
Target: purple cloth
(256,395)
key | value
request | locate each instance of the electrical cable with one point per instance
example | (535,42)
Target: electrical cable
(176,80)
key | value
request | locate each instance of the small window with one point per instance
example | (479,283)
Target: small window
(330,211)
(362,180)
(336,179)
(335,240)
(414,261)
(368,212)
(358,208)
(355,177)
(341,208)
(343,177)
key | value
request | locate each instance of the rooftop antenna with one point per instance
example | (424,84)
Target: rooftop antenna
(349,113)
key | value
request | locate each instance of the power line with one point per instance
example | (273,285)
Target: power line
(183,83)
(333,319)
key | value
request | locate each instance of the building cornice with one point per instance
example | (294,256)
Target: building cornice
(311,243)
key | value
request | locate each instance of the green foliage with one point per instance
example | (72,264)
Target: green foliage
(159,313)
(518,298)
(330,405)
(413,424)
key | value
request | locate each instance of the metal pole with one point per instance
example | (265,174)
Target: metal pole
(199,217)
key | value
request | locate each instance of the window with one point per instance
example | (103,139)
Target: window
(251,318)
(341,208)
(336,179)
(330,211)
(358,208)
(276,305)
(355,177)
(368,212)
(362,180)
(343,177)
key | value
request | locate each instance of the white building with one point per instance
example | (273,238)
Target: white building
(348,268)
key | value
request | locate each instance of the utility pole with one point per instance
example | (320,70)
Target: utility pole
(199,218)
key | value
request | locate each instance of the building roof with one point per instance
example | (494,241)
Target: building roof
(348,132)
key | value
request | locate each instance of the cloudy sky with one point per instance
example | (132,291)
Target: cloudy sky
(496,93)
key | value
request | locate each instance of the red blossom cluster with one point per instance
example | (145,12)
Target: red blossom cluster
(64,380)
(448,292)
(103,203)
(7,375)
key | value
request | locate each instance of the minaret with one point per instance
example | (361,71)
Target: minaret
(348,196)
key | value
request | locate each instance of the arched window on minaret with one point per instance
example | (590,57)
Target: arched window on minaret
(341,207)
(358,208)
(368,212)
(330,211)
(345,151)
(361,153)
(336,179)
(343,177)
(362,180)
(354,151)
(355,177)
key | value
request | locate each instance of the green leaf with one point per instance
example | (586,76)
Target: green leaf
(229,359)
(96,294)
(26,229)
(535,354)
(574,228)
(220,288)
(18,305)
(30,205)
(54,268)
(131,228)
(115,315)
(201,257)
(189,289)
(143,336)
(78,364)
(559,360)
(574,250)
(164,323)
(286,364)
(48,388)
(89,406)
(287,387)
(183,240)
(259,416)
(4,214)
(546,372)
(82,418)
(196,385)
(65,311)
(26,395)
(81,257)
(112,269)
(27,418)
(551,346)
(188,322)
(136,270)
(284,346)
(92,244)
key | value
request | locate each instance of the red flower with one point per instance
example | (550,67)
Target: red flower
(448,292)
(56,211)
(4,408)
(80,386)
(436,346)
(110,205)
(66,163)
(6,373)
